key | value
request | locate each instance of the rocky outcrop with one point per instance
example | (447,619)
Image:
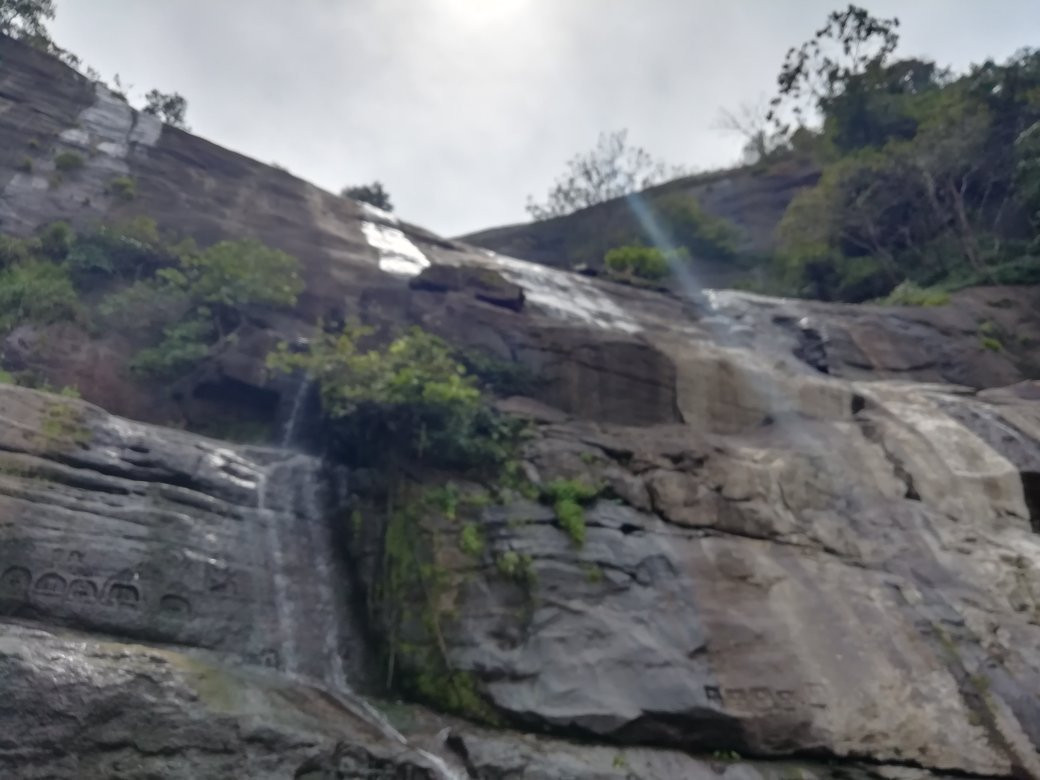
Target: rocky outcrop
(856,585)
(76,707)
(152,534)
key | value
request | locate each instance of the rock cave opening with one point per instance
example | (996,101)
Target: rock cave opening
(1031,490)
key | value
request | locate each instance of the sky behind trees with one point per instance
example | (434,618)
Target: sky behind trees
(463,108)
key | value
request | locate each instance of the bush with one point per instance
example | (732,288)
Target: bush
(67,162)
(909,294)
(705,236)
(56,240)
(643,262)
(411,400)
(231,275)
(183,347)
(373,194)
(14,250)
(567,497)
(122,188)
(35,291)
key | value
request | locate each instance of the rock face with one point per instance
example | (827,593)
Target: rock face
(144,533)
(812,541)
(753,199)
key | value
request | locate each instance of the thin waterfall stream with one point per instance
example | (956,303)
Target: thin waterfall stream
(299,536)
(299,402)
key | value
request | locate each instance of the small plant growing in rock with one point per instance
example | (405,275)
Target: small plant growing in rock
(642,262)
(567,497)
(67,162)
(909,294)
(516,566)
(989,336)
(123,188)
(471,540)
(593,573)
(25,165)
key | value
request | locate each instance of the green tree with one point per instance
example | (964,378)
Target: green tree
(170,107)
(851,43)
(410,400)
(229,277)
(27,20)
(35,291)
(373,194)
(612,169)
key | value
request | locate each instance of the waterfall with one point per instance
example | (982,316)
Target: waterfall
(299,401)
(275,551)
(322,542)
(312,616)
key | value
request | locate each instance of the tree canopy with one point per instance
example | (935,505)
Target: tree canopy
(373,194)
(170,107)
(927,177)
(27,20)
(610,170)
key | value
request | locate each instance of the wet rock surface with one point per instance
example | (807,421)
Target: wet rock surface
(148,533)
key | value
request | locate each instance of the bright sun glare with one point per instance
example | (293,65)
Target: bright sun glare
(482,14)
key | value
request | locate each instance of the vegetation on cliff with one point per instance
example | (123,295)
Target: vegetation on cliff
(928,177)
(411,400)
(177,301)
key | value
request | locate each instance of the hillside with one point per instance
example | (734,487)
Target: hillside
(531,524)
(752,199)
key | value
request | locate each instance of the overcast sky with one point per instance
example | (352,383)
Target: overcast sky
(464,107)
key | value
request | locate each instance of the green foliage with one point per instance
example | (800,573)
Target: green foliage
(183,346)
(14,251)
(176,300)
(122,188)
(593,573)
(412,399)
(63,424)
(471,540)
(704,236)
(567,497)
(26,19)
(56,240)
(25,165)
(373,194)
(67,162)
(643,262)
(7,378)
(170,107)
(516,566)
(928,178)
(412,594)
(35,291)
(500,377)
(909,294)
(829,65)
(234,274)
(611,170)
